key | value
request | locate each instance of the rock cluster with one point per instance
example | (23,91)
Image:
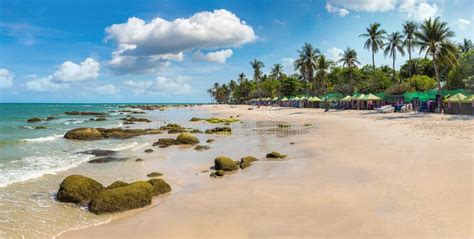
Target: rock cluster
(101,133)
(118,196)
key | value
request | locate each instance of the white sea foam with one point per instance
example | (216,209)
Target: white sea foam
(74,121)
(36,166)
(124,146)
(43,139)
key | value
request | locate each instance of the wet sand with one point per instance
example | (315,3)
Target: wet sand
(355,174)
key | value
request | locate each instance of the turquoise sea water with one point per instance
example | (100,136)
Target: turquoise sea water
(27,153)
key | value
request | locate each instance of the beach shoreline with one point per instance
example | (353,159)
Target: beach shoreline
(355,174)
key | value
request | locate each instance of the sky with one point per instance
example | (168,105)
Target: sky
(173,51)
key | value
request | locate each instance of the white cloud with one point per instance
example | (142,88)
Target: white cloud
(6,78)
(70,71)
(216,56)
(280,22)
(161,85)
(288,66)
(419,9)
(361,5)
(341,11)
(463,23)
(144,44)
(334,53)
(44,84)
(107,89)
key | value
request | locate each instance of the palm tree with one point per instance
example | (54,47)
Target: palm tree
(374,40)
(306,62)
(323,65)
(466,45)
(277,72)
(349,60)
(257,73)
(241,78)
(394,43)
(433,38)
(409,29)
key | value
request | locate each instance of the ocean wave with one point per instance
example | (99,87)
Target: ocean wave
(74,121)
(36,166)
(124,146)
(26,127)
(43,139)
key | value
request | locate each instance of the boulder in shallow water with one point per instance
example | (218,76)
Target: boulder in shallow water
(41,127)
(247,161)
(219,130)
(84,134)
(139,160)
(98,152)
(165,142)
(201,147)
(225,163)
(135,195)
(107,159)
(50,118)
(154,174)
(148,150)
(160,186)
(78,189)
(34,120)
(185,138)
(117,184)
(276,155)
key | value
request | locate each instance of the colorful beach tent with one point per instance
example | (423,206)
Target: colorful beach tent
(347,98)
(314,99)
(468,99)
(284,99)
(456,98)
(370,97)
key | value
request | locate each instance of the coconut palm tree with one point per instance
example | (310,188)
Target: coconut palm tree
(394,43)
(277,72)
(433,39)
(323,65)
(306,62)
(349,60)
(374,40)
(466,45)
(409,29)
(257,73)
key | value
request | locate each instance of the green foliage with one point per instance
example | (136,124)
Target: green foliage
(290,86)
(370,80)
(399,89)
(462,76)
(421,83)
(420,66)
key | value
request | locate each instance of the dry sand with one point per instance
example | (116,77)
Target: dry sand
(357,174)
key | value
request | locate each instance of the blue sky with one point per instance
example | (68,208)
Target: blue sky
(172,51)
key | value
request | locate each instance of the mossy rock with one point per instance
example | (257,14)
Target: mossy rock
(185,138)
(148,151)
(139,160)
(78,189)
(221,120)
(41,127)
(247,161)
(160,186)
(101,119)
(84,134)
(50,118)
(284,126)
(165,142)
(34,120)
(201,147)
(196,131)
(220,173)
(154,174)
(225,163)
(276,155)
(219,130)
(210,141)
(195,119)
(307,125)
(117,184)
(136,195)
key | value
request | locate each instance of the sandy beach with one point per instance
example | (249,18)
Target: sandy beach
(352,174)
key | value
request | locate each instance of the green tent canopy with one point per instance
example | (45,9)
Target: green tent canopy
(370,97)
(314,99)
(468,99)
(284,99)
(456,98)
(347,98)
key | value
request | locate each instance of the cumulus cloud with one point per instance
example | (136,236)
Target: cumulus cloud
(144,45)
(419,9)
(70,71)
(44,84)
(160,84)
(334,53)
(107,89)
(463,23)
(360,5)
(216,56)
(341,11)
(6,78)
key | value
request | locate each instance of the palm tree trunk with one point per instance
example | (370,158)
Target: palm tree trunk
(373,60)
(393,67)
(409,60)
(440,90)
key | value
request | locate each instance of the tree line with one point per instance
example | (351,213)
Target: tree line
(315,74)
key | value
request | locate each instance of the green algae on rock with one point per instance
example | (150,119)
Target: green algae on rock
(219,130)
(117,184)
(78,189)
(247,161)
(154,174)
(34,120)
(201,147)
(135,195)
(276,155)
(225,163)
(160,186)
(185,138)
